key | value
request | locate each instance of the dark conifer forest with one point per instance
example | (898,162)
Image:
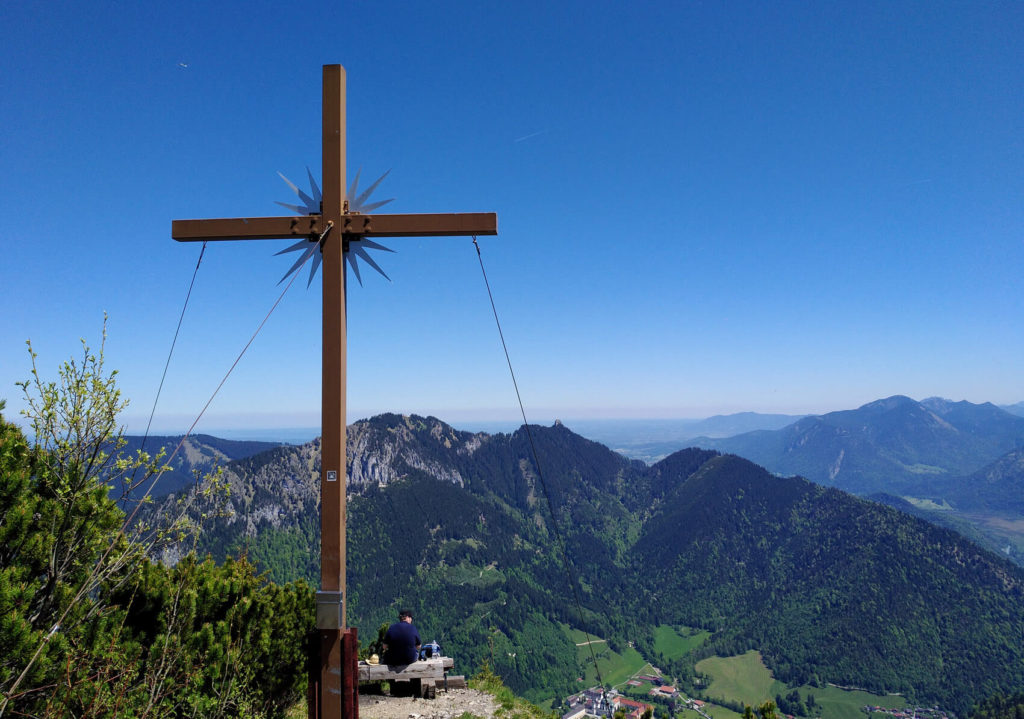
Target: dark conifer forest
(457,526)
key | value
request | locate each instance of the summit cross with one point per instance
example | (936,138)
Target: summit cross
(335,227)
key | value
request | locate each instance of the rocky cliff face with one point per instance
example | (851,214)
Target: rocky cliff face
(380,453)
(279,485)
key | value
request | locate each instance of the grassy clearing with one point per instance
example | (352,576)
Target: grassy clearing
(578,636)
(615,667)
(715,711)
(746,679)
(465,573)
(674,643)
(929,504)
(742,678)
(838,703)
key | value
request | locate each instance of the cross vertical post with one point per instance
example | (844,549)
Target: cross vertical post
(334,701)
(334,227)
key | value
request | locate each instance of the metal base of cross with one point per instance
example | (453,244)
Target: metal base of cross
(334,675)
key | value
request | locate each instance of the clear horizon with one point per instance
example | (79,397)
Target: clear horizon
(702,209)
(259,427)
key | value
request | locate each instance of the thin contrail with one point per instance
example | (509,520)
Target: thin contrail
(527,137)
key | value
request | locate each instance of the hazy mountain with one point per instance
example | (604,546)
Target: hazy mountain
(998,487)
(1017,409)
(457,526)
(888,445)
(199,453)
(727,425)
(653,439)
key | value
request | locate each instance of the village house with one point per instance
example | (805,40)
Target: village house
(633,709)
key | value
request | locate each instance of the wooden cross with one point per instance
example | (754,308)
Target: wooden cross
(337,227)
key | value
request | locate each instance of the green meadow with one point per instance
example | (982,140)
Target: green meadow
(616,667)
(675,642)
(742,678)
(836,703)
(745,678)
(713,710)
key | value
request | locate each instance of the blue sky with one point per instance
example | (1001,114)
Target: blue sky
(703,207)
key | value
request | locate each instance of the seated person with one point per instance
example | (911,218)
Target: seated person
(402,641)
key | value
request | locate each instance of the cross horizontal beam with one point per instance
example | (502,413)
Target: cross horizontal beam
(463,224)
(458,224)
(247,228)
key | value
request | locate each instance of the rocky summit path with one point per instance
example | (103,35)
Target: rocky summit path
(447,705)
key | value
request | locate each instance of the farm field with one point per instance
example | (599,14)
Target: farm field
(839,703)
(745,678)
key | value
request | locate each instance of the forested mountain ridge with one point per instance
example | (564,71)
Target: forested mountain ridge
(814,577)
(456,526)
(957,464)
(888,445)
(998,486)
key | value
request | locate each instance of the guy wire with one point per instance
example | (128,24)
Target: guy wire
(174,342)
(570,576)
(231,369)
(156,476)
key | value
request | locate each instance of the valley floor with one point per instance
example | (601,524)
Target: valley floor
(737,680)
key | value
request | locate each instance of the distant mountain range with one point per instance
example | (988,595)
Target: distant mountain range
(997,487)
(957,464)
(199,453)
(654,439)
(941,459)
(455,525)
(892,445)
(1017,409)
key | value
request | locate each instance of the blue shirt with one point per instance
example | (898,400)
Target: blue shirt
(403,642)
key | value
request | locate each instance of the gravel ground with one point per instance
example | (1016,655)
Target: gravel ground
(447,705)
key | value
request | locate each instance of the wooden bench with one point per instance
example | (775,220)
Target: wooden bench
(425,674)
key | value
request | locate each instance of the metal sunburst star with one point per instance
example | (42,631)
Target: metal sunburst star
(357,249)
